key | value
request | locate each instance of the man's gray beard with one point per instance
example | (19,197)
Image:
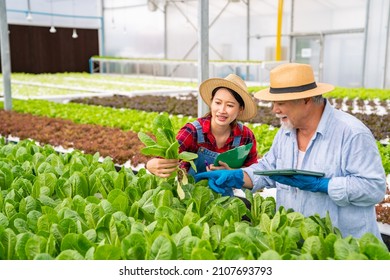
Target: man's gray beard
(286,125)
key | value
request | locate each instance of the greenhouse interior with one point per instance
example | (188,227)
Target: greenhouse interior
(93,91)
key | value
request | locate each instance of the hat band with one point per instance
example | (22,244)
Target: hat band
(293,89)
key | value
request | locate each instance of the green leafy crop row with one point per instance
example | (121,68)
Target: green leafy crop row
(71,206)
(124,119)
(49,84)
(25,84)
(137,121)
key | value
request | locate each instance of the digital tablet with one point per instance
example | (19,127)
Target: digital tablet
(289,172)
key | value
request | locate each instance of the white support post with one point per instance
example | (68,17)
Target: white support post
(203,50)
(5,56)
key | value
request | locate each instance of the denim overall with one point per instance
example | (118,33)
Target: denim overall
(210,156)
(205,156)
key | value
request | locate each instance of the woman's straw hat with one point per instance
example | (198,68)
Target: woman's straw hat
(292,81)
(234,83)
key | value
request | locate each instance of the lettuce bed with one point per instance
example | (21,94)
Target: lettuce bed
(70,206)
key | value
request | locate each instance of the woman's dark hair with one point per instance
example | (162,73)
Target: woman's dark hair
(235,94)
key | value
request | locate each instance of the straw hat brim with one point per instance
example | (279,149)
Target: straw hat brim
(266,95)
(207,87)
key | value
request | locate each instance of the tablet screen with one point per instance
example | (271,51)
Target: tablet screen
(289,172)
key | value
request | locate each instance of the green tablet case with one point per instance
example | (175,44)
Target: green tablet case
(235,158)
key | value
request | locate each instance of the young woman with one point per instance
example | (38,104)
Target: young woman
(218,131)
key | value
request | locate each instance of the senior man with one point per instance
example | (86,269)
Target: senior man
(317,137)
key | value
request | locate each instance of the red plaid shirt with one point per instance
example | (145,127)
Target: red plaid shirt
(188,140)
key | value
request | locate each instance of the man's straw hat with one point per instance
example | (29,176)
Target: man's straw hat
(292,81)
(234,83)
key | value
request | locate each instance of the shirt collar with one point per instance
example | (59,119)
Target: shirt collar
(325,118)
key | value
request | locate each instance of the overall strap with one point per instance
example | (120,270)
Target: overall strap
(199,131)
(237,139)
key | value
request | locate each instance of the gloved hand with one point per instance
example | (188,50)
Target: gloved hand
(222,181)
(304,182)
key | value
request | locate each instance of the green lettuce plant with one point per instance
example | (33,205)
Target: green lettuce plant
(166,146)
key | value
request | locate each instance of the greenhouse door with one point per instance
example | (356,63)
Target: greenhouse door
(309,50)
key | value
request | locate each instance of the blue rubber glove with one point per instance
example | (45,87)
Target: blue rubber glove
(304,182)
(222,181)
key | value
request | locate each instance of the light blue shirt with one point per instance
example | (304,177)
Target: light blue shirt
(346,151)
